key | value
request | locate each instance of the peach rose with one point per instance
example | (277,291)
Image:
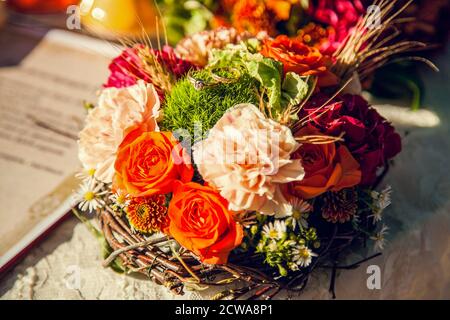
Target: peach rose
(328,167)
(201,222)
(299,58)
(148,163)
(247,157)
(117,111)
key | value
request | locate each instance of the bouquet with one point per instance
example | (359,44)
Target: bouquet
(325,25)
(239,161)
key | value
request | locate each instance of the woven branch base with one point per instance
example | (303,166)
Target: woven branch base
(251,278)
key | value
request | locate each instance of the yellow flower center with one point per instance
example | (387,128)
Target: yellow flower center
(273,233)
(121,199)
(91,172)
(88,196)
(297,214)
(304,253)
(143,210)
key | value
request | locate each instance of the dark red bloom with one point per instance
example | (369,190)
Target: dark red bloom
(172,64)
(136,63)
(126,69)
(371,139)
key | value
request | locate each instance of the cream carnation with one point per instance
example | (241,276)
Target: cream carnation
(247,157)
(118,109)
(197,47)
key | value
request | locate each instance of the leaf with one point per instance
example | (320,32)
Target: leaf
(294,89)
(182,18)
(268,72)
(117,264)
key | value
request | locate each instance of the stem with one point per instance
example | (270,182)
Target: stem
(117,252)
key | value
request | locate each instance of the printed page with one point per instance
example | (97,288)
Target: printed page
(43,84)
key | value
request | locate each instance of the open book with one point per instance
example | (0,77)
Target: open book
(44,80)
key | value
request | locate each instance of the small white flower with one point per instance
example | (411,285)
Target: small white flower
(300,213)
(272,246)
(275,230)
(385,197)
(382,201)
(293,266)
(89,196)
(86,174)
(379,238)
(120,199)
(302,256)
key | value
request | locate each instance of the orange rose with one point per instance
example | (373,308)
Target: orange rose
(148,163)
(201,222)
(327,167)
(299,58)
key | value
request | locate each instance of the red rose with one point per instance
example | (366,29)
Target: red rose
(371,139)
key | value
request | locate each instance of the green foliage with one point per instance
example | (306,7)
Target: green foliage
(185,107)
(266,71)
(280,92)
(185,17)
(279,249)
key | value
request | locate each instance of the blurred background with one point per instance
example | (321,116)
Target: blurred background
(115,20)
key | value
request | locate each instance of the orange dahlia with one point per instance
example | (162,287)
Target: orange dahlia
(147,214)
(253,16)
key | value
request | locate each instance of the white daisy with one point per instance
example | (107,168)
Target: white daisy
(300,213)
(120,199)
(302,256)
(379,238)
(382,201)
(275,230)
(86,174)
(89,196)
